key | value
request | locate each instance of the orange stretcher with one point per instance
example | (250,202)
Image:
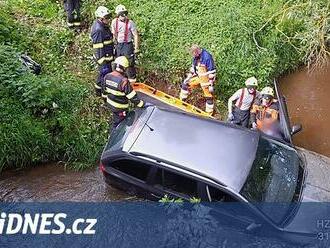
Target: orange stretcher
(167,99)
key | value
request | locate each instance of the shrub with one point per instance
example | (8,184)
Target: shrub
(23,139)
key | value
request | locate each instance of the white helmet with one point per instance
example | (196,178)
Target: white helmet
(101,12)
(120,8)
(268,91)
(252,81)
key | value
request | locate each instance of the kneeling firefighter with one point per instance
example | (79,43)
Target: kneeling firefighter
(119,91)
(265,112)
(202,73)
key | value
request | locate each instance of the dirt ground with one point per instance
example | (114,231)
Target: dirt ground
(196,97)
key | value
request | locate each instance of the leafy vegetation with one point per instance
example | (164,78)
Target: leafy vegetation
(261,38)
(54,116)
(166,199)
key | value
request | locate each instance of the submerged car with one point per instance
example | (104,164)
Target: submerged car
(157,151)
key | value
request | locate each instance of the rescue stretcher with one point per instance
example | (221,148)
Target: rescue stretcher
(144,91)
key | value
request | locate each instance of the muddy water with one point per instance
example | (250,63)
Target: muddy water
(53,183)
(308,98)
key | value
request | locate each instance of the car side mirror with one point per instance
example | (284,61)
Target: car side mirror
(296,129)
(253,226)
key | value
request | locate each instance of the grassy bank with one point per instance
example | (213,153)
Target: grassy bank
(55,116)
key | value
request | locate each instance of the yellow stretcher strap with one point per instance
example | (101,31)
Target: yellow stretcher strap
(170,100)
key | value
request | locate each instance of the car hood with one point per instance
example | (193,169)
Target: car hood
(313,211)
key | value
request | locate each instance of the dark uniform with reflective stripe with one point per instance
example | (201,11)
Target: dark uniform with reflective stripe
(119,93)
(72,8)
(103,45)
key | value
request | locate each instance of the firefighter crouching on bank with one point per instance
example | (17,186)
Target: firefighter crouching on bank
(126,38)
(265,112)
(203,73)
(119,91)
(102,39)
(244,98)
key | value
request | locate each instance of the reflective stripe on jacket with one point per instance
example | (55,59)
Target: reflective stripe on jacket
(119,92)
(102,39)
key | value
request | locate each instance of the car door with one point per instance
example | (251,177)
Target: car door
(284,115)
(230,212)
(173,184)
(131,175)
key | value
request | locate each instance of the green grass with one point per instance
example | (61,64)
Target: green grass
(247,38)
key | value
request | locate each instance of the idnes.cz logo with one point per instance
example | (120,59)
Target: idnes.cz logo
(44,223)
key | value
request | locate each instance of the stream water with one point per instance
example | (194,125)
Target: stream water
(52,182)
(307,95)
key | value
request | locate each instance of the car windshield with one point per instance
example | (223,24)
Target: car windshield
(274,178)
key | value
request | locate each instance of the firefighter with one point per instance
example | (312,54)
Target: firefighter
(119,91)
(202,73)
(102,39)
(265,112)
(72,8)
(126,38)
(239,114)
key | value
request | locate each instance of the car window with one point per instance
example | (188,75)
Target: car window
(176,183)
(118,134)
(132,168)
(216,195)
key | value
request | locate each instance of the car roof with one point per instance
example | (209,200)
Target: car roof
(214,149)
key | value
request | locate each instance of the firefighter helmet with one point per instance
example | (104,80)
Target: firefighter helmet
(267,91)
(120,9)
(102,12)
(121,62)
(252,81)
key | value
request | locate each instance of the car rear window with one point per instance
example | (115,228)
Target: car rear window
(117,136)
(176,183)
(132,168)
